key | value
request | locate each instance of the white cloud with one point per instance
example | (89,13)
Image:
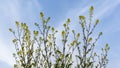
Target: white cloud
(6,54)
(10,11)
(106,8)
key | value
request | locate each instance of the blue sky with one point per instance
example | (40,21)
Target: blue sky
(108,11)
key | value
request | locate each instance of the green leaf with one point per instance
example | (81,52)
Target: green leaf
(67,55)
(78,43)
(19,52)
(107,46)
(36,33)
(58,51)
(68,21)
(90,39)
(14,40)
(41,14)
(50,43)
(62,56)
(50,53)
(91,8)
(100,33)
(52,29)
(88,51)
(48,27)
(78,57)
(36,24)
(83,24)
(43,55)
(90,63)
(97,21)
(73,43)
(95,54)
(78,35)
(64,25)
(69,65)
(73,31)
(48,19)
(63,33)
(15,66)
(56,31)
(81,17)
(10,30)
(17,23)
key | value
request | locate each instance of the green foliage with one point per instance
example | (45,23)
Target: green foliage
(38,48)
